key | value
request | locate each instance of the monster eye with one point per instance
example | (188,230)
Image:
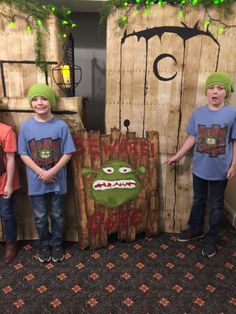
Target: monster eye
(125,170)
(108,170)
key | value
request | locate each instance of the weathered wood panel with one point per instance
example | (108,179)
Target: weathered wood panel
(156,69)
(17,44)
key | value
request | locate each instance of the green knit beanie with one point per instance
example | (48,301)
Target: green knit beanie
(41,89)
(220,78)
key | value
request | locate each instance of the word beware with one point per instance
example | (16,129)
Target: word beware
(94,147)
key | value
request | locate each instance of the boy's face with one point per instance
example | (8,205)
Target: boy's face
(41,106)
(216,95)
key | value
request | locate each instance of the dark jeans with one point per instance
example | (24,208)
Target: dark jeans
(8,216)
(216,203)
(45,206)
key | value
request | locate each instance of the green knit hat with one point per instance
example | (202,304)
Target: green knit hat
(41,89)
(220,78)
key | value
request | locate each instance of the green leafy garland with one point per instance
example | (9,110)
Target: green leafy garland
(32,10)
(223,5)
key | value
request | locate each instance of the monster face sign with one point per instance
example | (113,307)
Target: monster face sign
(115,183)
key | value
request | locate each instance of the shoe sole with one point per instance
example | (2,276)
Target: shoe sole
(57,260)
(187,240)
(209,255)
(44,260)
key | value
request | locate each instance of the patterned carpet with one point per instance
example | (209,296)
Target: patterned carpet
(158,275)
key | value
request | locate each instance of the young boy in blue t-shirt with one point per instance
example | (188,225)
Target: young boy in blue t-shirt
(45,146)
(212,133)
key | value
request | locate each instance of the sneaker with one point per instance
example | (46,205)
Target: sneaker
(187,235)
(209,249)
(44,254)
(57,253)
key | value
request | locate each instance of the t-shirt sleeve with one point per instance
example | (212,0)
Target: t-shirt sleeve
(233,132)
(191,130)
(10,142)
(22,146)
(68,144)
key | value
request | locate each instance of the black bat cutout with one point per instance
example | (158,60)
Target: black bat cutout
(184,32)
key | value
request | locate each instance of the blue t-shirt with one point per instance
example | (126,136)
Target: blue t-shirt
(214,131)
(45,143)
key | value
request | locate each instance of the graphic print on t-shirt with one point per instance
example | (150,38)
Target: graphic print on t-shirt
(212,140)
(2,165)
(46,152)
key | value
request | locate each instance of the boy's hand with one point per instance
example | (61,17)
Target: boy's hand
(8,190)
(171,161)
(231,173)
(47,176)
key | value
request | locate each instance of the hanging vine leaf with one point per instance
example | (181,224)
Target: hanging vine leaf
(224,6)
(39,13)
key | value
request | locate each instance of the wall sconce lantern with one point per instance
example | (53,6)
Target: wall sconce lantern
(66,74)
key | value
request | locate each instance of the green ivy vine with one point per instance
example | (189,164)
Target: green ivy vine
(225,6)
(30,9)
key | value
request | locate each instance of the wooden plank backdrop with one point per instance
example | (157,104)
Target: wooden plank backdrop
(96,222)
(138,62)
(13,111)
(18,44)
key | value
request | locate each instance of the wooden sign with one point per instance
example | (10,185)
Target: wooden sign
(96,222)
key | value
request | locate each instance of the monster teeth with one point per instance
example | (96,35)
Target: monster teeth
(120,184)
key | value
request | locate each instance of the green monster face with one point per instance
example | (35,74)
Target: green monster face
(44,153)
(115,184)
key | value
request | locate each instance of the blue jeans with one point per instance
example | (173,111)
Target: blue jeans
(44,205)
(8,216)
(216,203)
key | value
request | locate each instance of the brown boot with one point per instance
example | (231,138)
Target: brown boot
(10,251)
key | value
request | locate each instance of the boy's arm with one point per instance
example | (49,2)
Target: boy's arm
(188,144)
(28,161)
(232,169)
(10,170)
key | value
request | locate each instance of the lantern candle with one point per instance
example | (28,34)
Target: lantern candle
(65,70)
